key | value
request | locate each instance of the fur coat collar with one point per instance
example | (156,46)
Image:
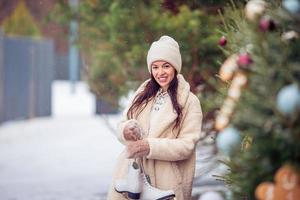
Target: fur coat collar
(167,115)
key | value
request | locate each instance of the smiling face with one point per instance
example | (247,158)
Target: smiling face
(163,72)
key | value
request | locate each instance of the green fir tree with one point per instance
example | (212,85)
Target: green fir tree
(266,113)
(21,23)
(114,37)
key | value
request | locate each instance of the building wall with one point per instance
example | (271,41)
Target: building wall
(25,89)
(1,78)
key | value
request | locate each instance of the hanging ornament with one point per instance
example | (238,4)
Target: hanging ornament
(287,178)
(240,80)
(292,6)
(228,107)
(288,99)
(290,35)
(286,186)
(234,93)
(223,41)
(254,9)
(244,61)
(266,24)
(228,68)
(211,195)
(247,142)
(223,118)
(265,191)
(222,121)
(228,139)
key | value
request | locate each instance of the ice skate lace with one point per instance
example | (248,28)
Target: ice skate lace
(149,185)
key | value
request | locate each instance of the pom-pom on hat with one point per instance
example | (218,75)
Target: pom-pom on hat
(166,49)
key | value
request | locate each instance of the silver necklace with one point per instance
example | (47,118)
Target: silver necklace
(160,99)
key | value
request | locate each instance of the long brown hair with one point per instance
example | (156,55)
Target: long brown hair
(148,93)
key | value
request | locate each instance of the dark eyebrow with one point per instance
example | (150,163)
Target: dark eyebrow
(165,63)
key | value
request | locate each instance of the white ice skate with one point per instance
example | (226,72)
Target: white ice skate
(151,193)
(132,184)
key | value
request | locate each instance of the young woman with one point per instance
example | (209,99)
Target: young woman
(161,127)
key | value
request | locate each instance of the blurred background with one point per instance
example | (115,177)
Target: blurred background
(68,69)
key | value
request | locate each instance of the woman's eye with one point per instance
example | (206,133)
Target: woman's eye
(166,66)
(154,67)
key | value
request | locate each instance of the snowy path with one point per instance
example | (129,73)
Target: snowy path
(69,156)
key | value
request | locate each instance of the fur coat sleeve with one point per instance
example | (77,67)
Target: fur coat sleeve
(125,120)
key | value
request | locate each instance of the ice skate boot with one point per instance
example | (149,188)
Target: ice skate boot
(151,193)
(131,186)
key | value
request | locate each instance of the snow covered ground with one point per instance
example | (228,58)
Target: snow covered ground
(69,156)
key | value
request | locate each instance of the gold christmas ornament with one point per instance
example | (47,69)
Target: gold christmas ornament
(286,186)
(228,68)
(247,142)
(254,9)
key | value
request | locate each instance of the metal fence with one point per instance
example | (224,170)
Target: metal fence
(26,73)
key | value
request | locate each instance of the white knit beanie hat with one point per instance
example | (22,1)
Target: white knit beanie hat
(166,49)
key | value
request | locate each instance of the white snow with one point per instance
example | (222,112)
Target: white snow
(70,156)
(72,99)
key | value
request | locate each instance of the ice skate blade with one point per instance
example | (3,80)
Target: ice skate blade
(169,197)
(130,195)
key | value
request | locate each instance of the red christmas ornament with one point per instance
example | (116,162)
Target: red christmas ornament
(223,41)
(244,60)
(266,24)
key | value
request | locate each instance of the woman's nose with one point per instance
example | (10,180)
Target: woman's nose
(161,71)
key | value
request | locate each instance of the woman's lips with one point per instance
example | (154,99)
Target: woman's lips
(163,79)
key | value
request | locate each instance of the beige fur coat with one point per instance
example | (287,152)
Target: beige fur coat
(171,161)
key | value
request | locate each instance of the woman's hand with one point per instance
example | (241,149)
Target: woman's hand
(132,131)
(139,148)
